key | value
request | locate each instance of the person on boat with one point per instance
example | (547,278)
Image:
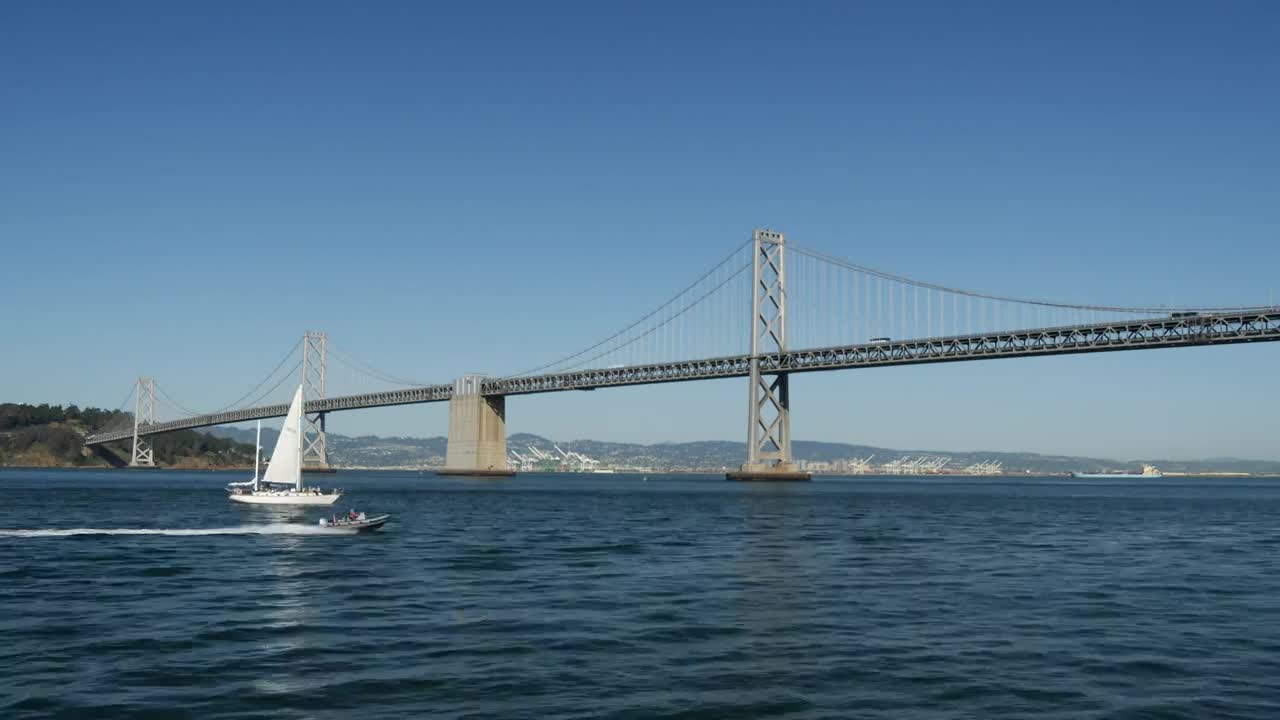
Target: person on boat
(352,515)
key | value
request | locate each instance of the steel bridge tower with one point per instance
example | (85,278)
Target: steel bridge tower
(144,414)
(769,414)
(315,451)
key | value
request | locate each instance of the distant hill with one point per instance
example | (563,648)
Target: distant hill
(716,455)
(363,451)
(53,436)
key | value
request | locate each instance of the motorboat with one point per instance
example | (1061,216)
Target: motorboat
(354,521)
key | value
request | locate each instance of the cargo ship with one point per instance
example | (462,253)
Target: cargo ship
(1149,472)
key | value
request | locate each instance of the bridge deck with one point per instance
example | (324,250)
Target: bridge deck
(1215,329)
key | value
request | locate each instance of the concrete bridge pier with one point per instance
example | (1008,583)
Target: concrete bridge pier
(477,432)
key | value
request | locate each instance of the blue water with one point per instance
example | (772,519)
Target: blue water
(617,597)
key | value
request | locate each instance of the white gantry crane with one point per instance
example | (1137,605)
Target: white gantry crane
(987,467)
(520,463)
(562,460)
(918,465)
(576,461)
(859,466)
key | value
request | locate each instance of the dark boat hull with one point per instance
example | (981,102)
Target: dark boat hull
(367,525)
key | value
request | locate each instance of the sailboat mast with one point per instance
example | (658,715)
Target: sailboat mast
(302,412)
(257,448)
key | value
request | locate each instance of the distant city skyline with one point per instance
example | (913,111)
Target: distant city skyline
(453,190)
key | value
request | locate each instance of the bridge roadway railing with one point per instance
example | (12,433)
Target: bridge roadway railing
(1261,325)
(1217,329)
(429,393)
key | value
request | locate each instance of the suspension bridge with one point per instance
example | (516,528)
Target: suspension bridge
(768,310)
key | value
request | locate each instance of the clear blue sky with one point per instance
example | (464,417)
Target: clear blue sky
(443,188)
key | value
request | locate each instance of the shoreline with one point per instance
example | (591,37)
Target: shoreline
(877,476)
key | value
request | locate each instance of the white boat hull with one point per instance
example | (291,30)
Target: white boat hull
(282,483)
(285,498)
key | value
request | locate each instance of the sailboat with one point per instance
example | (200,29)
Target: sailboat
(281,484)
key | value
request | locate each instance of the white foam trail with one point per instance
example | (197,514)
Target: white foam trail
(275,529)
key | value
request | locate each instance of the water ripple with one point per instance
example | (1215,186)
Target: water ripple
(568,597)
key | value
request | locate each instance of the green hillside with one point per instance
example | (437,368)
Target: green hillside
(53,436)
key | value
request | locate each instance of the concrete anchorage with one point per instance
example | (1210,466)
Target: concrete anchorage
(477,432)
(769,414)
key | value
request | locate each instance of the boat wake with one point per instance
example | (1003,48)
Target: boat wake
(273,529)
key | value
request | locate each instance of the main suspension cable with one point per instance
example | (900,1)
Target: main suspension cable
(633,325)
(365,368)
(1003,298)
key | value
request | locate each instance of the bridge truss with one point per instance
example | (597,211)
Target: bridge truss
(1205,329)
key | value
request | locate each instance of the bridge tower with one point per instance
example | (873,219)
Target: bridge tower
(769,414)
(315,449)
(144,414)
(477,431)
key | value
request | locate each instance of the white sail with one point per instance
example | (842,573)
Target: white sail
(286,460)
(257,453)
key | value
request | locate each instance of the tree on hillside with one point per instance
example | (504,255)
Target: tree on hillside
(51,428)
